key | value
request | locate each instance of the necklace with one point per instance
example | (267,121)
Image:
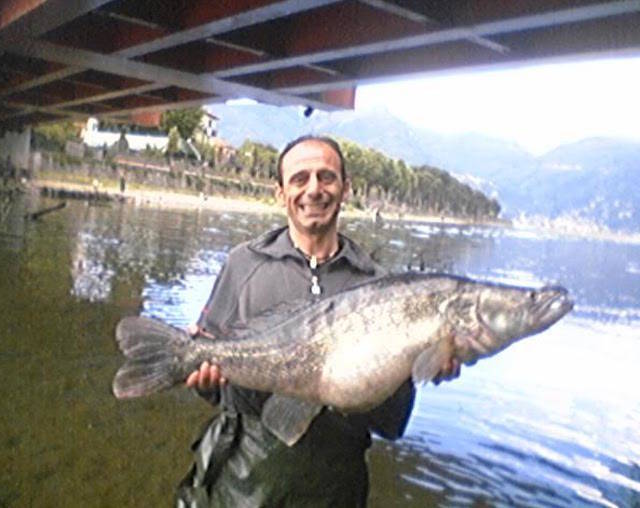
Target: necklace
(314,262)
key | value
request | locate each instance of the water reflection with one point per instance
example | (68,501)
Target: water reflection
(527,424)
(180,300)
(552,421)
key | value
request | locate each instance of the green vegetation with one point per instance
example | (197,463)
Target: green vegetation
(184,120)
(173,145)
(425,188)
(377,180)
(53,136)
(258,160)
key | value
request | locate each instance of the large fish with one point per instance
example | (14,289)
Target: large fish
(350,351)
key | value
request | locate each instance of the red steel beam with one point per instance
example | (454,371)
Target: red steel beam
(12,10)
(36,17)
(225,23)
(201,56)
(238,19)
(615,36)
(138,70)
(447,35)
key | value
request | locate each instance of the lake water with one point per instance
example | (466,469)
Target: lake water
(552,421)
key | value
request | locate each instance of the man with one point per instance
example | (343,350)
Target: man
(238,461)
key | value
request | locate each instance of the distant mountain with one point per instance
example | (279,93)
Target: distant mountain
(594,179)
(267,124)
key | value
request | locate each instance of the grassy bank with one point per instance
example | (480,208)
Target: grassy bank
(143,195)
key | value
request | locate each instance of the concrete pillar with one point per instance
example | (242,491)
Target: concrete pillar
(17,146)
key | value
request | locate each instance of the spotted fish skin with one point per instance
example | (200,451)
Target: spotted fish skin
(352,350)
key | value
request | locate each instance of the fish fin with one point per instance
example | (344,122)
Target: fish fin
(259,323)
(288,418)
(149,346)
(274,315)
(429,362)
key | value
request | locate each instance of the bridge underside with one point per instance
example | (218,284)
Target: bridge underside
(122,58)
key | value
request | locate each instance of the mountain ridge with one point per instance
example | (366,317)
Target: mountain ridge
(592,179)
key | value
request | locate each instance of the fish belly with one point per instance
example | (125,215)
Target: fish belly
(367,365)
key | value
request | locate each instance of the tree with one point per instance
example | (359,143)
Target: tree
(173,145)
(53,136)
(185,120)
(258,159)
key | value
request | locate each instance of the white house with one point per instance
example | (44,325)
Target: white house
(95,136)
(209,124)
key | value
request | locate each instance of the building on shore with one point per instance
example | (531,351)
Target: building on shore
(97,134)
(145,133)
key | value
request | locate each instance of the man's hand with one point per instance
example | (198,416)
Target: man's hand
(208,376)
(448,372)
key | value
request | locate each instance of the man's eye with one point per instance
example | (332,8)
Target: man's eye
(327,176)
(299,178)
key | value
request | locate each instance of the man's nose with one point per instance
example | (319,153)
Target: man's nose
(313,185)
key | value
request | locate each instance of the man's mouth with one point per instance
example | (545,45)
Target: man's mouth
(314,207)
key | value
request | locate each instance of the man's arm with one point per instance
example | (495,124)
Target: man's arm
(389,420)
(207,378)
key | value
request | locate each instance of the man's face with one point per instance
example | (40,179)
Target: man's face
(312,187)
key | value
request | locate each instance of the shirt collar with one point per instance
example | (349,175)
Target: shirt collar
(277,244)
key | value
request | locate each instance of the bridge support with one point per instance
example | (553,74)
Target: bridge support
(15,147)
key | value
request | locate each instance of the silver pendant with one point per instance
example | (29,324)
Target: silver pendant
(315,287)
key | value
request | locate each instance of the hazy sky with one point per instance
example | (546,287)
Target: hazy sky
(539,106)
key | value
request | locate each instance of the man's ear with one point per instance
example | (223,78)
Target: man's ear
(346,190)
(279,195)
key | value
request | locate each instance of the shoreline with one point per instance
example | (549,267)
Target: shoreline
(189,201)
(168,200)
(158,198)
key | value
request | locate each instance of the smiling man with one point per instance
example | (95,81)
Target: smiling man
(237,461)
(312,185)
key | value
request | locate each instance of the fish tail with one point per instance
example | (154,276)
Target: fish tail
(150,347)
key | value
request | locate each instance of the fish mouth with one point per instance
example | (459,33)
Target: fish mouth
(553,303)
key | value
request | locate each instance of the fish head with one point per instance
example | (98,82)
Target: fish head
(510,313)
